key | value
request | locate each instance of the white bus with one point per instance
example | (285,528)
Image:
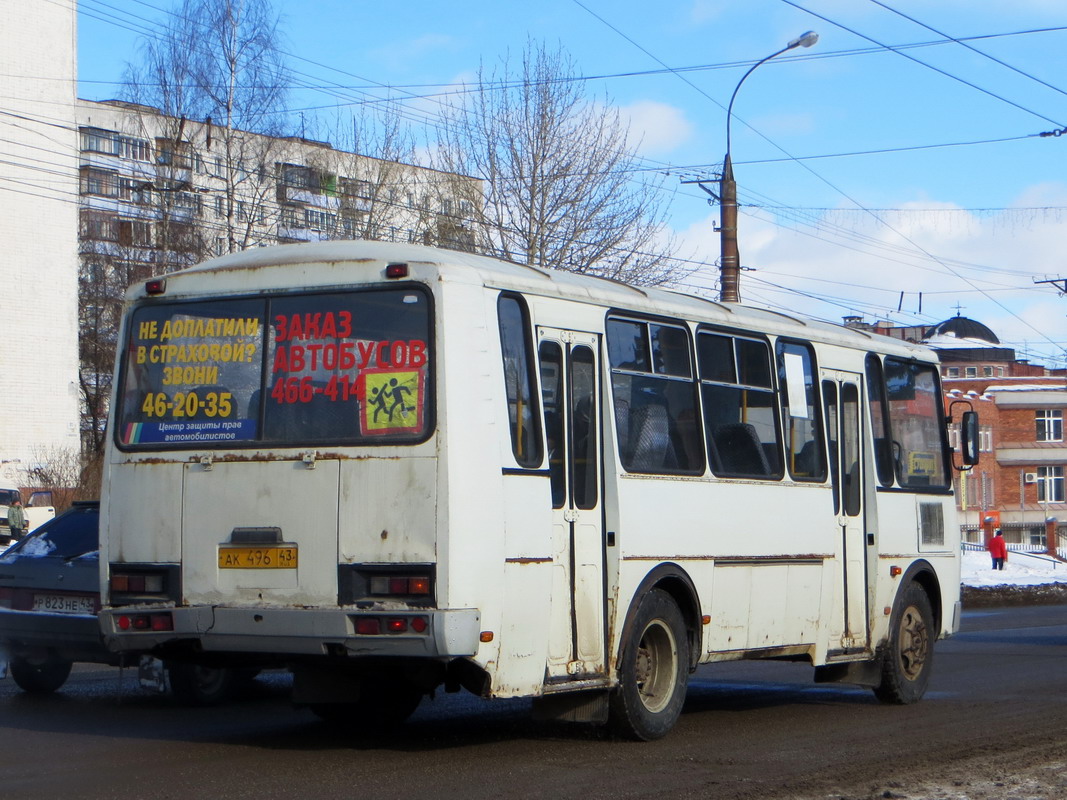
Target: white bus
(391,467)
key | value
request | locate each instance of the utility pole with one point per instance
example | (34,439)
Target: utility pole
(730,258)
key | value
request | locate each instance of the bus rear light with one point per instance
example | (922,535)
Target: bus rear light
(378,626)
(396,270)
(155,286)
(136,583)
(145,622)
(400,585)
(368,626)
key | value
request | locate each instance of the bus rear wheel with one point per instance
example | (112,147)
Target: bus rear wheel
(385,701)
(909,656)
(197,685)
(653,671)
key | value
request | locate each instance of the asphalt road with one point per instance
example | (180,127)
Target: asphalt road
(994,725)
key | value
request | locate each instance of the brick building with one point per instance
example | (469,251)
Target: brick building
(1021,406)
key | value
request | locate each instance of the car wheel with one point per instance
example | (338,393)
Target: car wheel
(40,677)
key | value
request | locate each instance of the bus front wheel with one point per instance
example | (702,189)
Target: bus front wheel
(653,671)
(909,655)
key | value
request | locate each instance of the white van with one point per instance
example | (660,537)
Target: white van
(39,510)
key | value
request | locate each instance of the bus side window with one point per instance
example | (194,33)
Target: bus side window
(739,405)
(883,451)
(800,411)
(517,351)
(551,357)
(656,420)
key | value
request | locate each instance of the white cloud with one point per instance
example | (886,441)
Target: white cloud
(847,262)
(655,128)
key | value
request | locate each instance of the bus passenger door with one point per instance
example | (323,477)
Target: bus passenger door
(570,385)
(844,427)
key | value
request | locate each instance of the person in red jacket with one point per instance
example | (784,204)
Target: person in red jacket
(998,549)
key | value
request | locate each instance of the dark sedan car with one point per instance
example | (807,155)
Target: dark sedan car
(49,599)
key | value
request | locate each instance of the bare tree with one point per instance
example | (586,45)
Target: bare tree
(219,65)
(381,192)
(560,188)
(204,180)
(67,474)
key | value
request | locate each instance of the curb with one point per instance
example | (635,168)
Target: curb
(1008,595)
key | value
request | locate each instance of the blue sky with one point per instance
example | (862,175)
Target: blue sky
(862,173)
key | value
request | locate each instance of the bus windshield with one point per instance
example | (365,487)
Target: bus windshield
(343,367)
(915,418)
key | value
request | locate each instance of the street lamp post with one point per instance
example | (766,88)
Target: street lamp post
(730,261)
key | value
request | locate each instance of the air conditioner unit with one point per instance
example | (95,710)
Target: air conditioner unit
(1030,477)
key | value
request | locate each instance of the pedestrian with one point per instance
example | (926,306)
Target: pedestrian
(998,549)
(16,519)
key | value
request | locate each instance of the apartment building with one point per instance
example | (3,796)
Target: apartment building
(158,193)
(39,391)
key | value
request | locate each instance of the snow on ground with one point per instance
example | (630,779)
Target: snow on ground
(1021,569)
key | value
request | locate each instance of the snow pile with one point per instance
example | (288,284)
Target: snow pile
(34,548)
(1020,570)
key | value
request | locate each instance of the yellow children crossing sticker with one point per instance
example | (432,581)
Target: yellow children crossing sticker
(393,401)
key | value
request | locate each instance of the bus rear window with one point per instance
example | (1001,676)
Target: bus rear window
(318,368)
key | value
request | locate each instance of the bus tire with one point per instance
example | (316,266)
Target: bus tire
(196,685)
(653,671)
(385,702)
(43,677)
(908,659)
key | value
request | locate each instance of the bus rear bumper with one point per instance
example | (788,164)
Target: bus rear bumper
(430,633)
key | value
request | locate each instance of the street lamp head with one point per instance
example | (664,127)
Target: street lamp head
(806,39)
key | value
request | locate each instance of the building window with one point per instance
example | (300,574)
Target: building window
(1049,424)
(1050,484)
(320,220)
(97,140)
(135,233)
(972,372)
(102,182)
(952,372)
(298,177)
(987,372)
(1000,372)
(173,154)
(985,439)
(99,226)
(134,149)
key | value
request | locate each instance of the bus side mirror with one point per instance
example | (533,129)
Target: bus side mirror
(969,438)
